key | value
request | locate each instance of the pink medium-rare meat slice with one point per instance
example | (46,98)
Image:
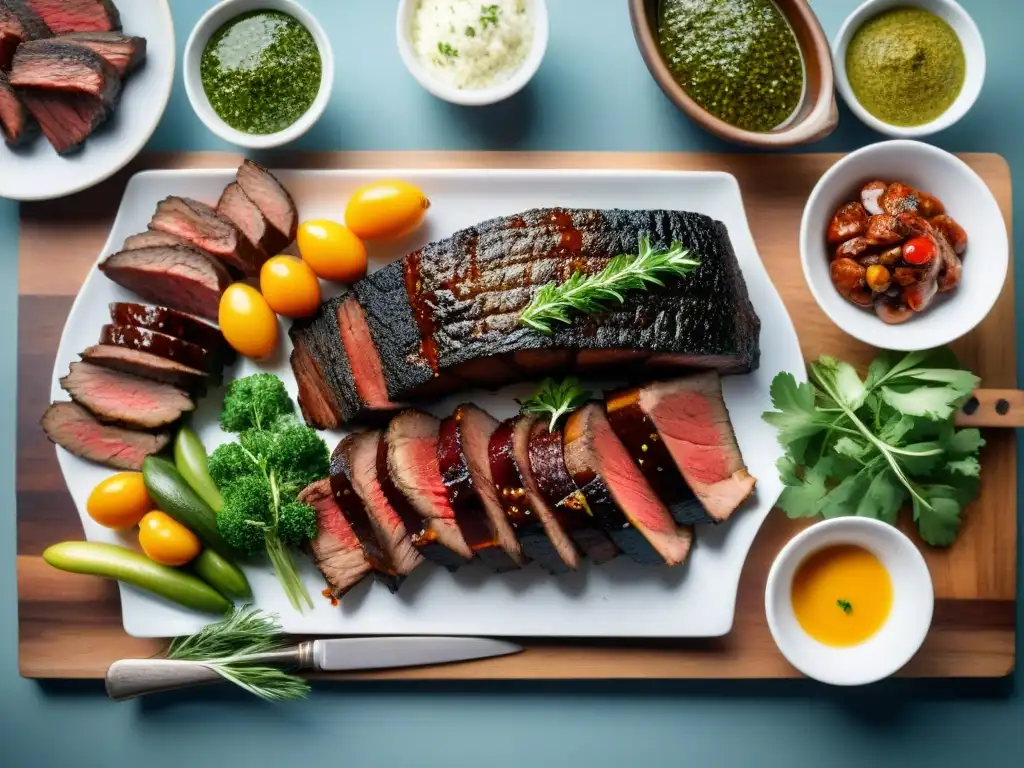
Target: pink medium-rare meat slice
(316,401)
(465,469)
(147,366)
(121,398)
(72,427)
(236,206)
(370,386)
(693,422)
(410,477)
(56,64)
(18,24)
(63,16)
(173,323)
(336,549)
(147,340)
(263,188)
(617,494)
(201,225)
(66,119)
(151,238)
(174,276)
(123,52)
(17,124)
(539,532)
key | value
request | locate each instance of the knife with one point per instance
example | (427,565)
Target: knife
(129,678)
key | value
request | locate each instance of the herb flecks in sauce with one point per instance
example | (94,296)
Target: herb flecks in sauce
(738,59)
(261,72)
(906,66)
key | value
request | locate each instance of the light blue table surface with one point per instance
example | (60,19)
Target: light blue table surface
(592,93)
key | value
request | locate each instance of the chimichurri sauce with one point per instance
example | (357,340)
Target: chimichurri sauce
(738,59)
(261,72)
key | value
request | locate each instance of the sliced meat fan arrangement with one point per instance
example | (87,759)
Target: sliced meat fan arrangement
(62,67)
(469,488)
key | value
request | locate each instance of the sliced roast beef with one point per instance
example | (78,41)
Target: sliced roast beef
(236,207)
(617,494)
(123,52)
(18,24)
(557,488)
(148,366)
(173,276)
(121,398)
(58,64)
(173,323)
(363,360)
(77,15)
(16,123)
(359,518)
(72,427)
(693,423)
(263,188)
(151,238)
(336,549)
(201,225)
(66,119)
(410,477)
(541,535)
(465,469)
(146,340)
(316,400)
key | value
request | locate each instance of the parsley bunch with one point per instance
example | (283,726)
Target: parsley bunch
(867,447)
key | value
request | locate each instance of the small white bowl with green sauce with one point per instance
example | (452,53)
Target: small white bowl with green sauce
(899,69)
(258,73)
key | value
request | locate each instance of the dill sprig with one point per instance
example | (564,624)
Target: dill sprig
(592,293)
(555,399)
(224,645)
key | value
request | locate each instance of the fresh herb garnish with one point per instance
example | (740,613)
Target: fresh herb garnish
(470,32)
(447,50)
(592,293)
(555,399)
(866,447)
(845,605)
(222,646)
(489,15)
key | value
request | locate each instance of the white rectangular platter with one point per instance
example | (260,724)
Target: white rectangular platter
(619,599)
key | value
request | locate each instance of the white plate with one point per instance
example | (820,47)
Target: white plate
(37,172)
(618,599)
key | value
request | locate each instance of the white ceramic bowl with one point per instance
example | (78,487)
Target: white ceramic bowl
(967,199)
(899,638)
(538,11)
(208,25)
(974,53)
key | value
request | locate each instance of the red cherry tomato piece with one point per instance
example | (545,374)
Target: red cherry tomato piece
(919,250)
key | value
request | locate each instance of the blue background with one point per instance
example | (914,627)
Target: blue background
(592,93)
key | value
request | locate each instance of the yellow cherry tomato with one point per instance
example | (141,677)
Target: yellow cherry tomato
(120,501)
(247,321)
(386,210)
(290,287)
(167,541)
(332,251)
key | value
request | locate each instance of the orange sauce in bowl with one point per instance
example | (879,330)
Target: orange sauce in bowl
(841,595)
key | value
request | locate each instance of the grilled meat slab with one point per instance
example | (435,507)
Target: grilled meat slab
(72,427)
(173,323)
(336,549)
(18,24)
(239,209)
(146,340)
(58,64)
(66,119)
(17,125)
(121,398)
(77,15)
(263,188)
(201,225)
(123,52)
(147,366)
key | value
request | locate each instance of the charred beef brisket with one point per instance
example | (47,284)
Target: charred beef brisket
(410,477)
(364,362)
(541,535)
(236,207)
(18,24)
(336,549)
(77,15)
(72,427)
(263,188)
(121,398)
(151,238)
(123,52)
(201,225)
(148,366)
(173,323)
(173,276)
(146,340)
(617,494)
(465,470)
(61,65)
(17,124)
(327,391)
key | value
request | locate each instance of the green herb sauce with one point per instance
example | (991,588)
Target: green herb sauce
(906,66)
(738,59)
(261,72)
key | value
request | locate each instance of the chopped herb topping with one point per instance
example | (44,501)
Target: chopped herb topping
(447,50)
(470,32)
(489,15)
(845,605)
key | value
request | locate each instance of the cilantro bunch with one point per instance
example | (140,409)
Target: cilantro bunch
(867,447)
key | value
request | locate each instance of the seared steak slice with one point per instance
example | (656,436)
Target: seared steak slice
(358,516)
(236,207)
(66,119)
(173,323)
(77,15)
(146,340)
(317,403)
(617,494)
(693,424)
(147,365)
(370,388)
(465,469)
(199,224)
(16,123)
(121,398)
(326,385)
(336,549)
(541,535)
(18,24)
(151,238)
(263,188)
(123,52)
(410,477)
(58,64)
(72,427)
(173,276)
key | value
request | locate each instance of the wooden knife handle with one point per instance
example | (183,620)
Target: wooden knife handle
(129,678)
(993,408)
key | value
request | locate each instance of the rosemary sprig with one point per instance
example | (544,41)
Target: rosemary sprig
(223,646)
(592,293)
(555,399)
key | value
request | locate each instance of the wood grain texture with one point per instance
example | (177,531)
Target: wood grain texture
(70,626)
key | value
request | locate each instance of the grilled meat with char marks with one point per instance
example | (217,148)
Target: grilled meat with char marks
(121,398)
(335,549)
(263,188)
(173,323)
(63,16)
(201,225)
(123,52)
(72,427)
(146,340)
(148,366)
(17,125)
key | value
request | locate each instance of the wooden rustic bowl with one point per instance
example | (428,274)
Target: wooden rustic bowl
(817,115)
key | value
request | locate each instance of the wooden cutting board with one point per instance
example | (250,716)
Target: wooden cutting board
(70,626)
